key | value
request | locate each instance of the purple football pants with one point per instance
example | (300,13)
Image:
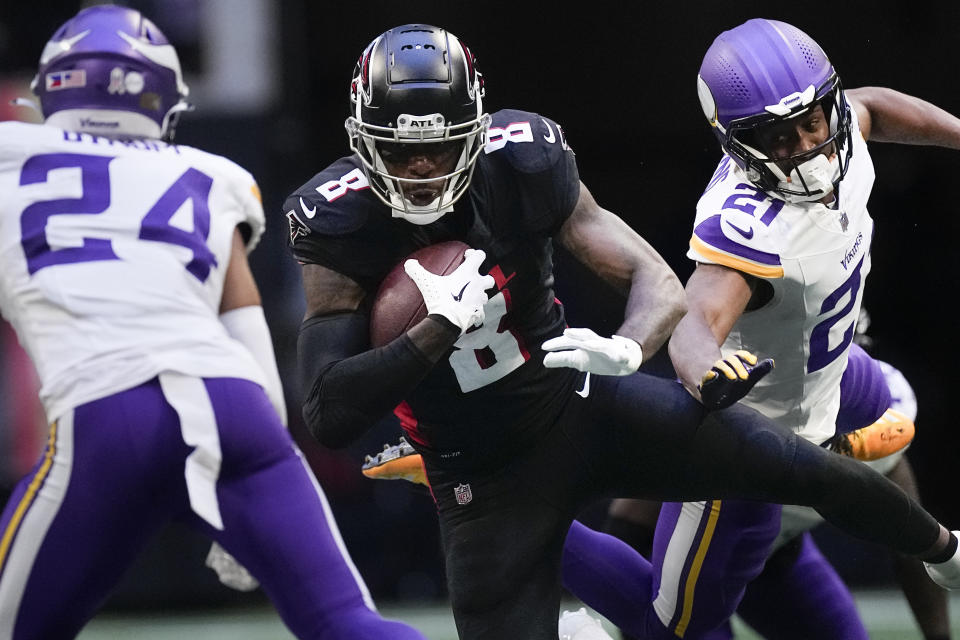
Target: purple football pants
(706,553)
(208,452)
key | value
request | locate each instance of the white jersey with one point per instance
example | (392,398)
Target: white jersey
(816,257)
(112,259)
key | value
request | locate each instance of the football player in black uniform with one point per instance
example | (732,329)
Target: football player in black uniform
(520,421)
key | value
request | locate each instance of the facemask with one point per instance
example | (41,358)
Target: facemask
(813,179)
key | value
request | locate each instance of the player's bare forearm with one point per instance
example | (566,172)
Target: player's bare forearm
(655,305)
(607,246)
(692,350)
(716,297)
(890,116)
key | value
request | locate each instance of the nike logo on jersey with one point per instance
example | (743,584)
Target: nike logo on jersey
(308,212)
(584,391)
(459,296)
(550,138)
(746,233)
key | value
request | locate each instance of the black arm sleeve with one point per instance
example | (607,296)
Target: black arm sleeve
(348,388)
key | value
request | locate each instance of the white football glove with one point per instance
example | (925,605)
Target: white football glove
(584,350)
(459,296)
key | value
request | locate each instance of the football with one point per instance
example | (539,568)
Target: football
(398,304)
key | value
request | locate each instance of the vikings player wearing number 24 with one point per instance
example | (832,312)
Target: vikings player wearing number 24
(125,276)
(521,422)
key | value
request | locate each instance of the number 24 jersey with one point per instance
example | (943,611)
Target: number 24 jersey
(113,259)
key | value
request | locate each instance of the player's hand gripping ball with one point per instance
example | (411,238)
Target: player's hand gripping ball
(731,378)
(441,278)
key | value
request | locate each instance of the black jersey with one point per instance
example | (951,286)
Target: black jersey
(491,393)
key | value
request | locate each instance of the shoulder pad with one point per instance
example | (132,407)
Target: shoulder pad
(733,228)
(336,201)
(530,142)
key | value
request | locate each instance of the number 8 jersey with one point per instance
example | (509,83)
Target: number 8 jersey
(113,259)
(816,257)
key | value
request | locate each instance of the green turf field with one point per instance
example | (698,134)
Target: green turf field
(886,614)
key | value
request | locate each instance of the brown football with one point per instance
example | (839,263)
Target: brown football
(398,304)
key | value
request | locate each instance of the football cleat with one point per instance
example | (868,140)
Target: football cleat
(946,574)
(396,462)
(580,625)
(891,433)
(230,572)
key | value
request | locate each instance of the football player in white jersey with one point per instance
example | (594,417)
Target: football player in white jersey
(125,276)
(782,244)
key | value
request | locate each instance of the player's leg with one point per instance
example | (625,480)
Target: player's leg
(607,574)
(108,480)
(799,595)
(928,602)
(662,450)
(502,533)
(704,555)
(274,517)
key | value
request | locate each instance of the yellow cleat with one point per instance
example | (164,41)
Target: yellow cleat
(891,433)
(396,462)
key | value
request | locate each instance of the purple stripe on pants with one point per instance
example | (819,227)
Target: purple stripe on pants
(741,539)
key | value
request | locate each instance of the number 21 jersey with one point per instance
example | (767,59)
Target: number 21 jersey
(816,258)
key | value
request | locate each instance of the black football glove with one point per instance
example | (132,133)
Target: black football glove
(731,378)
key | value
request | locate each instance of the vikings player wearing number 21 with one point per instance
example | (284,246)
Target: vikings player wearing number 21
(125,276)
(781,240)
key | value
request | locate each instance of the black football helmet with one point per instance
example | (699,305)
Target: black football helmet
(417,84)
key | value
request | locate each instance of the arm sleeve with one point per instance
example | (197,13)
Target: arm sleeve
(248,326)
(348,388)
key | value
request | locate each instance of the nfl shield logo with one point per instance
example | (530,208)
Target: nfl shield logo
(463,493)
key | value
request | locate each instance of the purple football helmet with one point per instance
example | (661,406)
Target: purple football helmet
(110,71)
(764,72)
(418,85)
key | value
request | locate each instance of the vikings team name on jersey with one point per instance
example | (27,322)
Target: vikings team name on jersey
(133,143)
(797,249)
(854,250)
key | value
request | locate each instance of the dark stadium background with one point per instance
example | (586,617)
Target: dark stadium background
(621,80)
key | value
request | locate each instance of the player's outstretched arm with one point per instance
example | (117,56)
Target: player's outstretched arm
(886,115)
(606,245)
(716,298)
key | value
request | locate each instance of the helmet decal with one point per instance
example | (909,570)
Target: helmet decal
(110,71)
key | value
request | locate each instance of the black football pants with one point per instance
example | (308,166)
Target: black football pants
(636,436)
